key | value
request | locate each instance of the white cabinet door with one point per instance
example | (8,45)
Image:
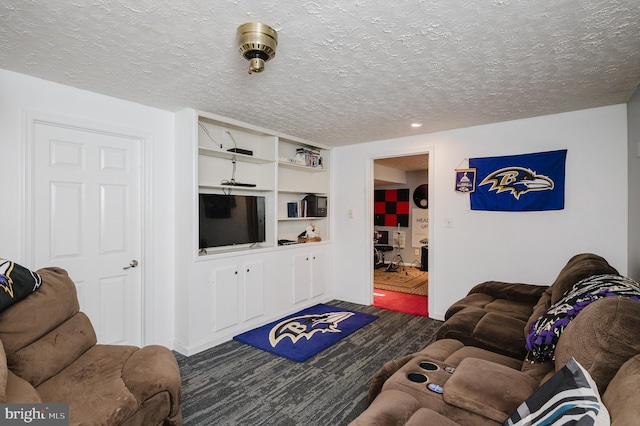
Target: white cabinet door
(301,277)
(317,273)
(225,297)
(253,290)
(308,276)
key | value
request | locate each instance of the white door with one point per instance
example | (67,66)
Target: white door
(86,219)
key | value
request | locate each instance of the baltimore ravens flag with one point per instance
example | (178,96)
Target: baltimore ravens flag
(528,182)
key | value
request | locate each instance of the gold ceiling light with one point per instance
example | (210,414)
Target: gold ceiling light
(257,43)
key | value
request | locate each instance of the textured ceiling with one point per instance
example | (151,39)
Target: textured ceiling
(408,163)
(345,71)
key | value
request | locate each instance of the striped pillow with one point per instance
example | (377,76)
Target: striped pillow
(570,397)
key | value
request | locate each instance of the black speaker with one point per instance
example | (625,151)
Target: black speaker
(316,205)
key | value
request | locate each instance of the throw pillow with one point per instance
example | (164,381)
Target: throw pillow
(546,330)
(570,397)
(16,282)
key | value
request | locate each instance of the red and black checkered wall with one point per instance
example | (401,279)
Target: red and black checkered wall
(391,207)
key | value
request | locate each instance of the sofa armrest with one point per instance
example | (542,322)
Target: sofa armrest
(488,389)
(390,408)
(386,371)
(19,391)
(517,292)
(151,370)
(14,389)
(622,395)
(4,374)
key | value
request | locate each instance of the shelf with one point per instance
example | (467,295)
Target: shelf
(231,155)
(294,191)
(293,166)
(282,219)
(236,188)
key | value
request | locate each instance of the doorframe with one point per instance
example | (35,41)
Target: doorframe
(29,119)
(369,187)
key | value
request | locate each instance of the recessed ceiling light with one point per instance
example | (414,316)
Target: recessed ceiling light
(416,124)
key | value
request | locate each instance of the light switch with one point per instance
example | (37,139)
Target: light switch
(351,214)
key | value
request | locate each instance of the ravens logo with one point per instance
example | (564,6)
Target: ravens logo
(517,181)
(306,326)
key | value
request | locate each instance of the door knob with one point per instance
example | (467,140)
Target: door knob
(133,264)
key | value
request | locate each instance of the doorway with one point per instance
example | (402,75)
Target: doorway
(400,233)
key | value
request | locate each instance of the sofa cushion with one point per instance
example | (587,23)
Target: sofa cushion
(54,303)
(510,297)
(546,331)
(391,407)
(493,331)
(538,310)
(602,338)
(93,386)
(478,386)
(569,397)
(54,351)
(579,267)
(426,416)
(16,283)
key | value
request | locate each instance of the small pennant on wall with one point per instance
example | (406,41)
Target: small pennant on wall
(465,180)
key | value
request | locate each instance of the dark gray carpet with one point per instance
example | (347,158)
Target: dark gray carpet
(237,384)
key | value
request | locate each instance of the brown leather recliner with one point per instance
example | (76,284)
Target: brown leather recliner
(48,354)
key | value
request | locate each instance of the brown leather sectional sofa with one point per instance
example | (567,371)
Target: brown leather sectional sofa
(478,371)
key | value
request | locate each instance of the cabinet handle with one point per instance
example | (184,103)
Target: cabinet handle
(248,269)
(236,272)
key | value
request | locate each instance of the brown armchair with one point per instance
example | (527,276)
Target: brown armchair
(48,354)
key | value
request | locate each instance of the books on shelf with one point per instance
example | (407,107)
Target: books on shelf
(297,209)
(292,209)
(308,157)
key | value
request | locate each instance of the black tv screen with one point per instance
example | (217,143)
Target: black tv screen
(227,220)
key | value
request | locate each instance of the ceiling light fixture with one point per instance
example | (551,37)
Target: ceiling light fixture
(416,125)
(257,43)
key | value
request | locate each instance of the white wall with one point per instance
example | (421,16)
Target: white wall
(633,120)
(21,94)
(528,247)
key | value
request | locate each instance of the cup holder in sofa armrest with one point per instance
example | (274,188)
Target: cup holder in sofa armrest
(488,389)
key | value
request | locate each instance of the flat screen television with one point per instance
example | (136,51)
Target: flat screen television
(228,220)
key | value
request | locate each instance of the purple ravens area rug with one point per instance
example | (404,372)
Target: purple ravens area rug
(300,336)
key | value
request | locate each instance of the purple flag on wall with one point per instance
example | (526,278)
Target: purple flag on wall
(528,182)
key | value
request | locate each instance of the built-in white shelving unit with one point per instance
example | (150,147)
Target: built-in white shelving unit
(224,291)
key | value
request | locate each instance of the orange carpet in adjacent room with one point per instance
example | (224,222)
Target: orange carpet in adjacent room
(401,302)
